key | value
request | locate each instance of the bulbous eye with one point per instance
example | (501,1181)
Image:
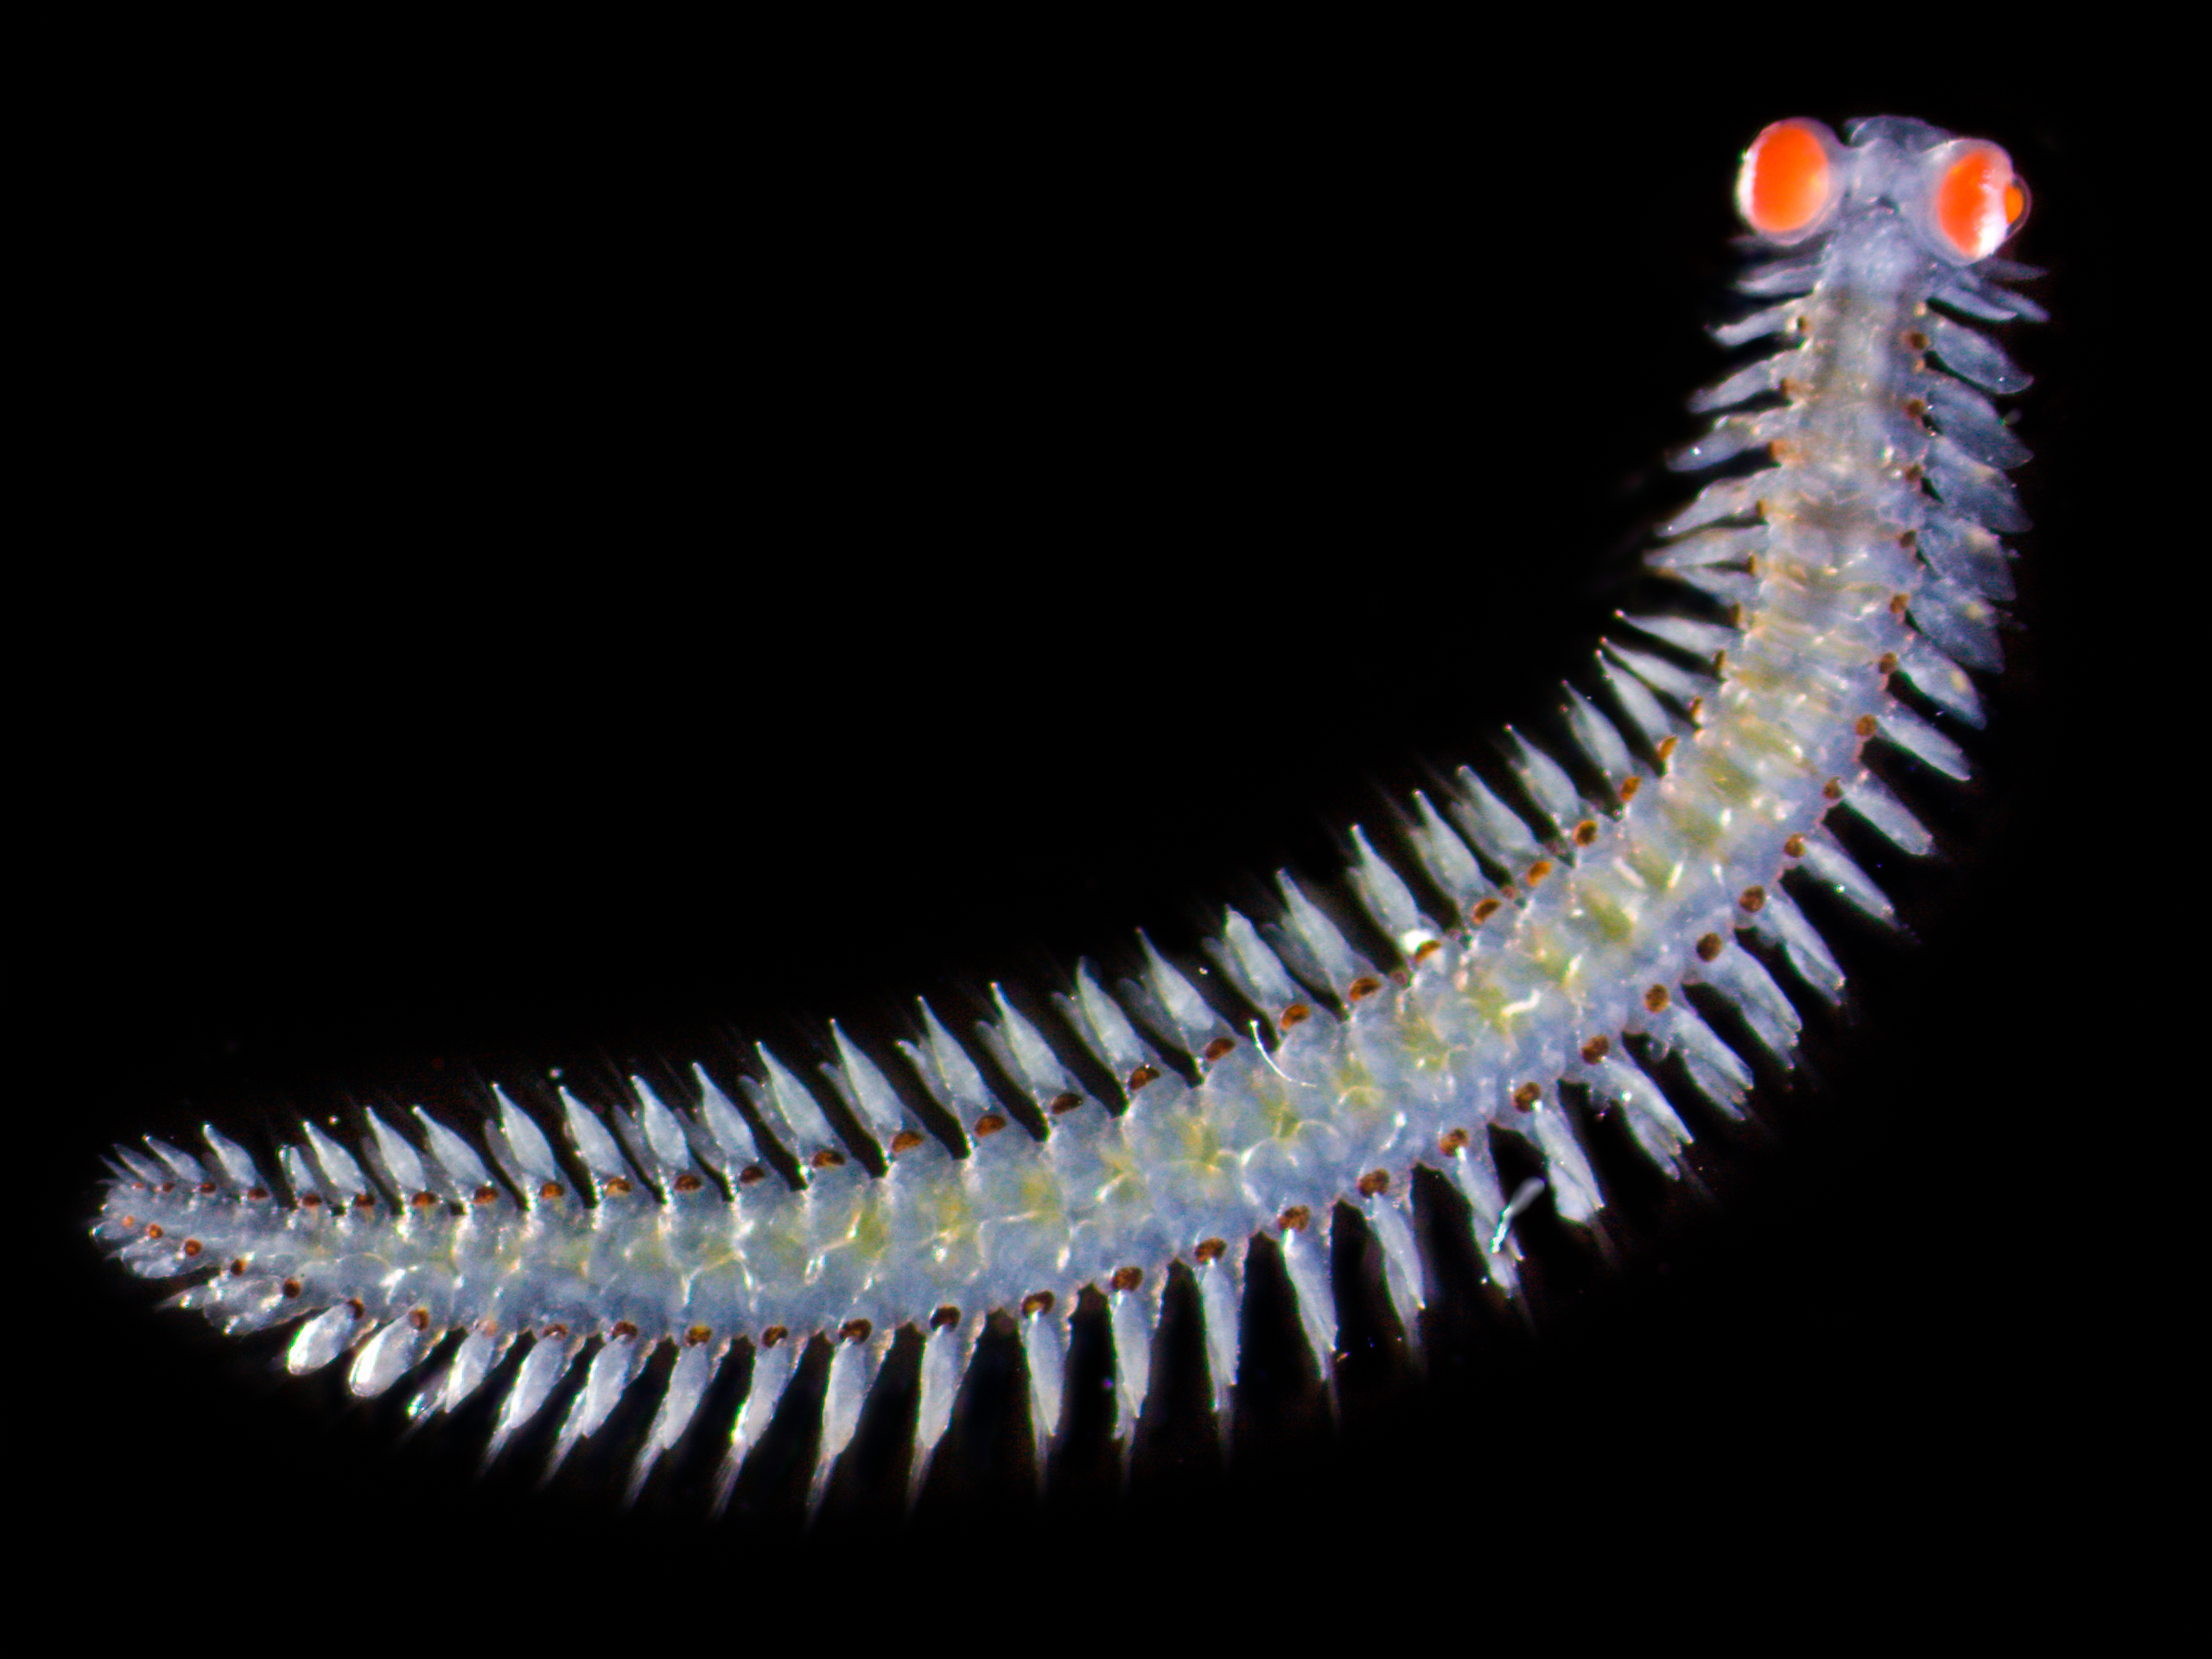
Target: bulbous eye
(1790,180)
(1974,199)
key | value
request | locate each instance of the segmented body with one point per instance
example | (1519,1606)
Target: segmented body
(1506,953)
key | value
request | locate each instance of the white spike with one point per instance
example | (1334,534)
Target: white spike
(1835,868)
(540,1373)
(852,1369)
(1402,1275)
(479,1353)
(1221,1297)
(455,1156)
(1256,971)
(725,1125)
(1491,828)
(600,1155)
(773,1370)
(945,1355)
(1132,1315)
(1306,1259)
(1099,1020)
(1637,702)
(687,1386)
(663,1134)
(322,1339)
(1899,725)
(867,1090)
(789,1105)
(1303,920)
(1193,1017)
(186,1167)
(1871,800)
(1662,677)
(613,1368)
(339,1170)
(1445,856)
(531,1150)
(399,1156)
(1545,780)
(1597,737)
(1045,1347)
(236,1162)
(388,1356)
(1386,896)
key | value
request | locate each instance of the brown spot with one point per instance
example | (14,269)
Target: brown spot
(1453,1142)
(363,1201)
(1909,539)
(485,1194)
(750,1173)
(1373,1183)
(290,1287)
(1886,663)
(1720,669)
(827,1158)
(1363,988)
(1294,1219)
(1665,747)
(1792,388)
(153,1229)
(130,1220)
(1832,790)
(989,1123)
(1752,899)
(1915,408)
(1780,450)
(257,1193)
(1426,949)
(1630,785)
(1596,1049)
(1915,339)
(618,1186)
(905,1141)
(311,1200)
(1146,1073)
(165,1186)
(1125,1279)
(1063,1104)
(1484,909)
(555,1331)
(551,1190)
(1211,1249)
(772,1335)
(1538,871)
(192,1247)
(420,1319)
(1914,473)
(1296,1015)
(945,1317)
(1697,708)
(623,1332)
(1751,566)
(1795,847)
(1586,832)
(1801,323)
(1528,1096)
(687,1182)
(1866,726)
(1038,1301)
(1218,1047)
(1655,999)
(238,1267)
(697,1335)
(424,1201)
(205,1188)
(360,1313)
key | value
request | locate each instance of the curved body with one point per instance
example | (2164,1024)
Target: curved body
(1522,943)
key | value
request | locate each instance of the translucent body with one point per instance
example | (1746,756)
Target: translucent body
(1567,927)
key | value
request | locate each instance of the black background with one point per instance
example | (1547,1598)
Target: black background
(585,582)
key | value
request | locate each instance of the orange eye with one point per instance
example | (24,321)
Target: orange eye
(1788,181)
(1978,201)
